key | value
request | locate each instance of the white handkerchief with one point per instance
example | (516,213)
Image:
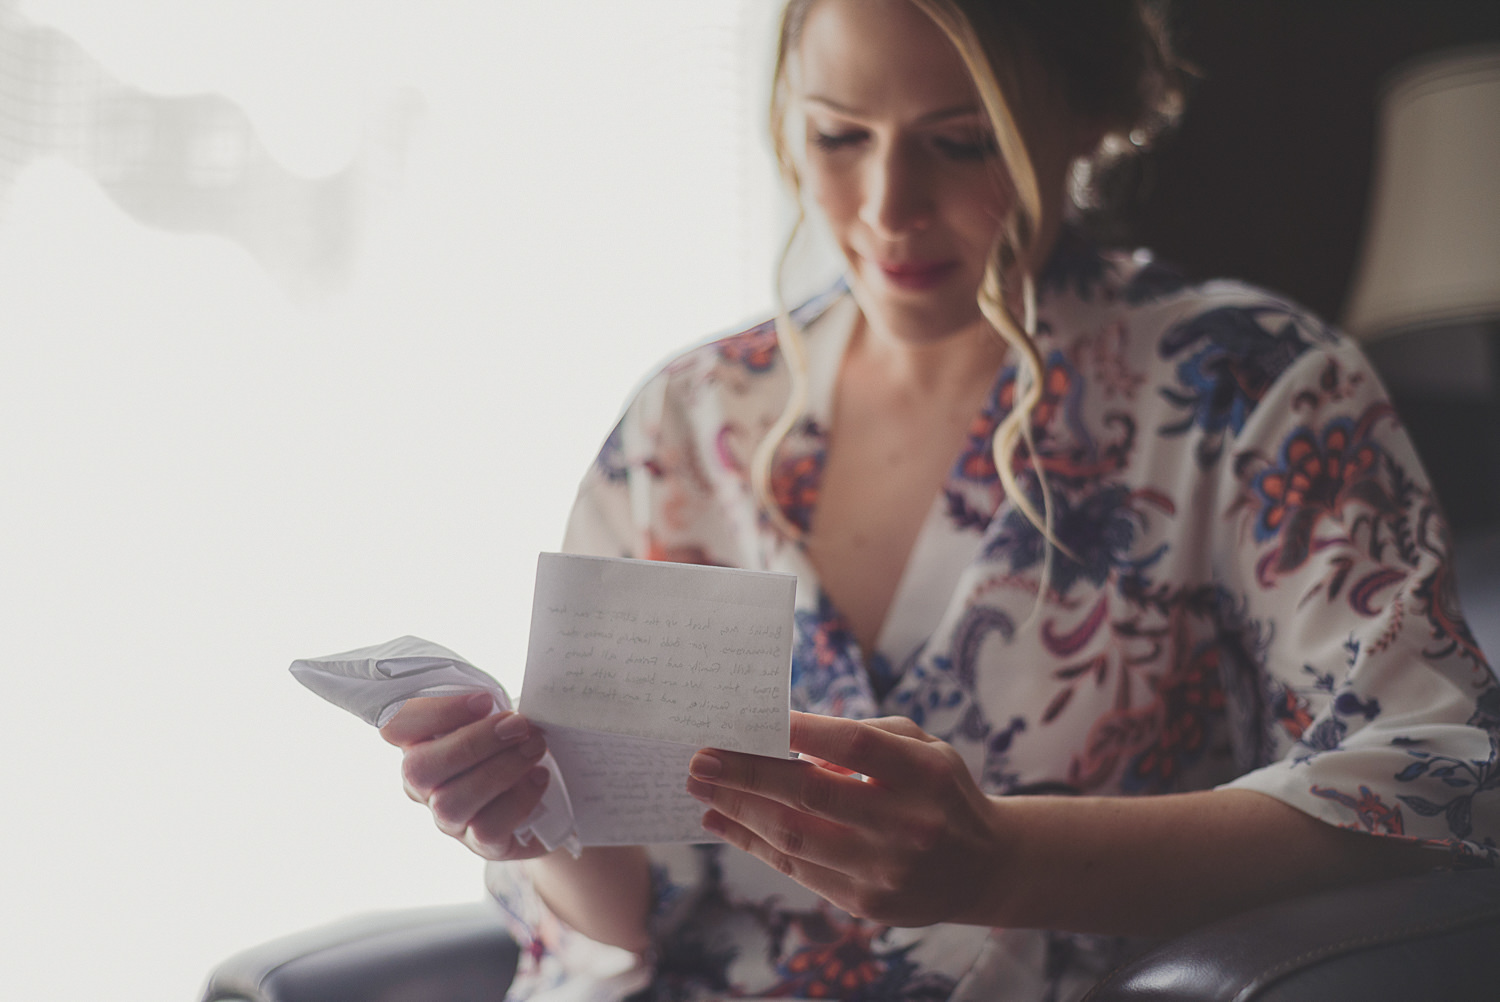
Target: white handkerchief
(373,683)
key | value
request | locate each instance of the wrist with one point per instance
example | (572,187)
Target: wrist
(999,868)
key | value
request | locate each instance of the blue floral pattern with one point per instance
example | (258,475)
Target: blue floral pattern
(1252,586)
(828,673)
(1228,359)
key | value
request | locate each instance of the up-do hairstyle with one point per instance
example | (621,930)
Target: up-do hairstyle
(1110,63)
(1111,58)
(1115,65)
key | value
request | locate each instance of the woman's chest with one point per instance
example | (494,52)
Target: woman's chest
(877,490)
(888,455)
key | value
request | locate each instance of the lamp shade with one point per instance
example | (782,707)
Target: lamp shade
(1431,252)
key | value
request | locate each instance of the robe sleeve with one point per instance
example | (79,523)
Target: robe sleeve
(655,490)
(1376,710)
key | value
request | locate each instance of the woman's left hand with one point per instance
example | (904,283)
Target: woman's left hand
(915,843)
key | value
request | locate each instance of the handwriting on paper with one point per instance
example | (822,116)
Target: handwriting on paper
(626,791)
(692,655)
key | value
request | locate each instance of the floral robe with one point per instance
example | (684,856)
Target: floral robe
(1262,597)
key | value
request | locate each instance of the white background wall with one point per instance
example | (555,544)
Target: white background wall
(205,478)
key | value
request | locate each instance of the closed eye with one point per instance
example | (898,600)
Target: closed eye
(980,148)
(830,141)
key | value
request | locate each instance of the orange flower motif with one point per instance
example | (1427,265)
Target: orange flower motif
(978,461)
(1374,814)
(1190,700)
(834,969)
(1313,481)
(755,349)
(1057,382)
(794,486)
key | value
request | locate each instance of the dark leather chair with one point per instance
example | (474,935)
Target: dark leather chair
(1434,938)
(457,953)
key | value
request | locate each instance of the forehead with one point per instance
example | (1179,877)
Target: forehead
(882,57)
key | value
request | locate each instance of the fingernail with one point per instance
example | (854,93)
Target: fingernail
(512,728)
(705,766)
(533,747)
(480,702)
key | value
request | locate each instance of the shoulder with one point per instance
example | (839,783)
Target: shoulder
(1085,286)
(712,399)
(746,361)
(1210,351)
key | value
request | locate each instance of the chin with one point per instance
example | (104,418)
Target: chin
(918,316)
(930,321)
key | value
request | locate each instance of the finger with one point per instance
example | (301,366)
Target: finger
(825,764)
(782,789)
(512,850)
(904,727)
(792,834)
(459,801)
(426,717)
(491,832)
(878,749)
(830,884)
(801,786)
(766,793)
(431,764)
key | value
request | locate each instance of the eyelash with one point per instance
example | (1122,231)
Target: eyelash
(953,149)
(981,149)
(828,142)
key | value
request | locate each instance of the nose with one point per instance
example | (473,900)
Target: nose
(897,196)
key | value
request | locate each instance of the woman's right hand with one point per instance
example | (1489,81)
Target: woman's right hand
(475,770)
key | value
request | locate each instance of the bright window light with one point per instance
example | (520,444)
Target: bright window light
(314,313)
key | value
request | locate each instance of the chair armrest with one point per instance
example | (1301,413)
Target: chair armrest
(456,953)
(1436,936)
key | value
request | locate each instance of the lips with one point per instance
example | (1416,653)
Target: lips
(916,275)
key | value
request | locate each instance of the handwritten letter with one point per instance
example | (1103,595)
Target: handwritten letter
(634,665)
(627,791)
(674,652)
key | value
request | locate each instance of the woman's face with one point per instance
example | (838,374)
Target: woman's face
(903,163)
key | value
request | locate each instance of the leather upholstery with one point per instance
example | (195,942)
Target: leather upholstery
(1434,937)
(458,953)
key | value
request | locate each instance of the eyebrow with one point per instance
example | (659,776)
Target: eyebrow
(940,115)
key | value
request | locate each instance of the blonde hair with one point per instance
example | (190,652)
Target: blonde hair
(1119,73)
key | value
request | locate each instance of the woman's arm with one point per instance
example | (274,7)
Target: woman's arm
(605,893)
(919,843)
(1162,865)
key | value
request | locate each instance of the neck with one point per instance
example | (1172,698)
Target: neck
(942,367)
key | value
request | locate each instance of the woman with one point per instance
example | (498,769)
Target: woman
(1184,553)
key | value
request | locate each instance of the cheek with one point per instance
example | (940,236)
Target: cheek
(979,213)
(833,194)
